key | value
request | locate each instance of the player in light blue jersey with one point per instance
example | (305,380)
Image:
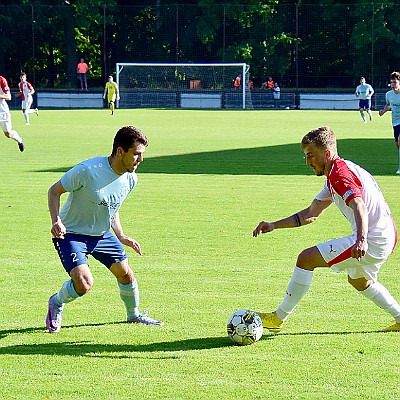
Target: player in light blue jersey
(364,91)
(393,103)
(97,187)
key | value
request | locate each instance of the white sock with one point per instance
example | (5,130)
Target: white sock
(26,116)
(66,294)
(30,111)
(130,296)
(362,115)
(297,288)
(16,137)
(380,296)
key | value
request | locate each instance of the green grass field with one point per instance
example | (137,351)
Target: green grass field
(207,180)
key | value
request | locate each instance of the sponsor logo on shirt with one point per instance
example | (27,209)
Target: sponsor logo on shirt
(112,205)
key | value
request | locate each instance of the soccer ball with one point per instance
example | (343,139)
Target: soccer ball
(244,327)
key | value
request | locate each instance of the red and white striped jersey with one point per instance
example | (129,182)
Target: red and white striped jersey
(347,180)
(4,89)
(25,88)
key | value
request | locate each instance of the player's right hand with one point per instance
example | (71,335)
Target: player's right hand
(58,229)
(263,227)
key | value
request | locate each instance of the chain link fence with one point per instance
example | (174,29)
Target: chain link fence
(301,46)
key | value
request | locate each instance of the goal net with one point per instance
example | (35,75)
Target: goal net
(159,85)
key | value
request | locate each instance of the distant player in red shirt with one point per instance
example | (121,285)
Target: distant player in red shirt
(5,116)
(362,253)
(26,91)
(82,69)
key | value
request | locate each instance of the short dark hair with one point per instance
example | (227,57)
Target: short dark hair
(126,138)
(395,75)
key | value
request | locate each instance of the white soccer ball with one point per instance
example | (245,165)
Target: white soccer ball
(287,108)
(244,327)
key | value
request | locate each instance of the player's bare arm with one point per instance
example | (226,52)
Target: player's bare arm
(304,217)
(361,217)
(6,96)
(384,109)
(125,240)
(58,229)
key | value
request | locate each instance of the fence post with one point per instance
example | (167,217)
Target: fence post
(33,46)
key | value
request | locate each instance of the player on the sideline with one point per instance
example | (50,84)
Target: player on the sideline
(364,91)
(112,93)
(393,103)
(26,91)
(5,116)
(362,253)
(97,187)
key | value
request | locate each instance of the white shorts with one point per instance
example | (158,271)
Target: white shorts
(26,104)
(5,121)
(337,254)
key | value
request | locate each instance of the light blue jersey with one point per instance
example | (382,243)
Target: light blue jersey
(393,100)
(95,194)
(364,91)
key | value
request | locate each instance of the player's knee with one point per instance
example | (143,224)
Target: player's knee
(359,284)
(303,259)
(82,282)
(307,259)
(7,134)
(83,285)
(124,275)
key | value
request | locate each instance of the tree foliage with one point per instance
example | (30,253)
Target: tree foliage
(305,43)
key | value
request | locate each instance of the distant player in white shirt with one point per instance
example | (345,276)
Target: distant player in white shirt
(361,253)
(393,104)
(364,91)
(5,116)
(26,91)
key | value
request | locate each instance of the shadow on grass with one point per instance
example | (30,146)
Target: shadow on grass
(91,349)
(378,156)
(4,333)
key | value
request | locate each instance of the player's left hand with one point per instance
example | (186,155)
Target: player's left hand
(128,241)
(359,249)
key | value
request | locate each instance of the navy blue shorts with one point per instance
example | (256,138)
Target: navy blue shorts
(366,104)
(74,249)
(396,133)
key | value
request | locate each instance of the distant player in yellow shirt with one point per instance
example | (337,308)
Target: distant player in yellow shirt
(112,93)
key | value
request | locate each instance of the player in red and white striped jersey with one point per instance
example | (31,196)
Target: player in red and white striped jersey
(26,91)
(5,116)
(361,253)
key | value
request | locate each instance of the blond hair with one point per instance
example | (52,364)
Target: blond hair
(322,137)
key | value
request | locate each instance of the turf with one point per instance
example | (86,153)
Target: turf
(207,180)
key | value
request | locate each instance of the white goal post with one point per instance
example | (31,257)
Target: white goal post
(183,85)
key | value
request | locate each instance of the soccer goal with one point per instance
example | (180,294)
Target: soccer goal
(185,85)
